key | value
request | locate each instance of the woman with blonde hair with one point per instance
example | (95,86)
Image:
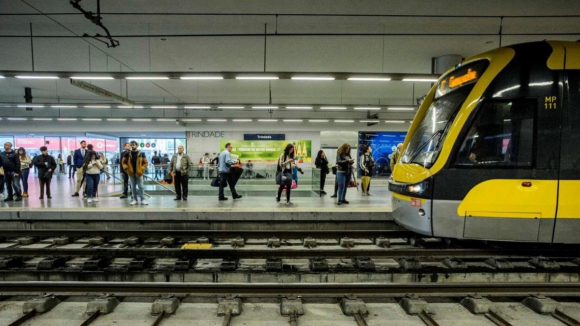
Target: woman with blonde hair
(344,163)
(25,162)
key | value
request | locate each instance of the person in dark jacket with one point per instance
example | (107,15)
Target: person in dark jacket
(321,163)
(11,163)
(45,165)
(124,173)
(78,158)
(70,163)
(344,163)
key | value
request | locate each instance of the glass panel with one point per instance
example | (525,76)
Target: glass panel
(501,135)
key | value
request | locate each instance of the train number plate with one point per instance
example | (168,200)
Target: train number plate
(416,202)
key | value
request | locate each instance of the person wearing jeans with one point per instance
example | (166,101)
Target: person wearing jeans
(344,163)
(125,175)
(92,167)
(25,162)
(45,165)
(134,164)
(180,166)
(11,163)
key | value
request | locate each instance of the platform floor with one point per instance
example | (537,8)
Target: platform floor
(63,188)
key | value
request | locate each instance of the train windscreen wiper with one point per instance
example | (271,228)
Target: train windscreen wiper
(418,151)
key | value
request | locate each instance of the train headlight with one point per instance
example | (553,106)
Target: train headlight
(417,189)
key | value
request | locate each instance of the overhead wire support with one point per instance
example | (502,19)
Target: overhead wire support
(96,19)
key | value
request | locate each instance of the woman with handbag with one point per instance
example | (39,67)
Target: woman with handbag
(25,164)
(366,164)
(322,163)
(344,163)
(284,175)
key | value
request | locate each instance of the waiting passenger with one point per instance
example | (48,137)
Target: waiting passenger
(286,164)
(70,163)
(79,158)
(134,164)
(321,163)
(395,157)
(25,163)
(92,167)
(124,173)
(11,163)
(180,166)
(206,161)
(249,173)
(367,164)
(344,163)
(46,165)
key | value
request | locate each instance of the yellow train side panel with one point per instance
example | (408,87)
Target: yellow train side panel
(569,50)
(509,199)
(568,201)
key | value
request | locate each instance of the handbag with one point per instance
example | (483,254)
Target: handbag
(215,182)
(352,184)
(284,179)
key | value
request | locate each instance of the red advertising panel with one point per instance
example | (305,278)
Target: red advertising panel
(69,144)
(29,143)
(98,144)
(52,143)
(112,146)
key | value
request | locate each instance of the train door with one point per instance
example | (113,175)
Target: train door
(567,229)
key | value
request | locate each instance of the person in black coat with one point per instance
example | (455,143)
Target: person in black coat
(45,165)
(321,163)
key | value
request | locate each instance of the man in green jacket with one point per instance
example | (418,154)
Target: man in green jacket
(180,166)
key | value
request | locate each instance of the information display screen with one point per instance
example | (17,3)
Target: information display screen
(383,144)
(463,76)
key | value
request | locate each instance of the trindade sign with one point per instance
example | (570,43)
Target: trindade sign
(206,134)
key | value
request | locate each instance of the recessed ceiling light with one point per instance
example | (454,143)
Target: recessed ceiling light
(395,121)
(97,106)
(17,119)
(400,109)
(42,119)
(30,105)
(257,77)
(124,107)
(264,107)
(63,106)
(343,121)
(91,119)
(230,107)
(142,120)
(368,79)
(242,120)
(217,120)
(197,107)
(267,120)
(299,107)
(293,120)
(164,107)
(115,119)
(147,78)
(430,80)
(2,77)
(313,78)
(191,120)
(201,77)
(165,120)
(92,77)
(67,119)
(369,121)
(37,77)
(317,120)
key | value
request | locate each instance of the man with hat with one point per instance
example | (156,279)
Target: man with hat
(45,164)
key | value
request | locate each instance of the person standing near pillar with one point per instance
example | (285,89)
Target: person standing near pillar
(45,165)
(78,159)
(11,163)
(71,165)
(180,166)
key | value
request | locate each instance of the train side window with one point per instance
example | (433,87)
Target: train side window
(502,134)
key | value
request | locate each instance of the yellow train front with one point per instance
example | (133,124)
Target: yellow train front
(494,150)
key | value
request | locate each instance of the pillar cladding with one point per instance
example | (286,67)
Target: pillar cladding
(441,64)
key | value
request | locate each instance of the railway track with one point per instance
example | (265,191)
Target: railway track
(503,304)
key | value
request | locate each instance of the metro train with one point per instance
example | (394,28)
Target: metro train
(494,150)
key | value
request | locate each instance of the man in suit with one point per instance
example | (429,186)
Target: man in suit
(78,158)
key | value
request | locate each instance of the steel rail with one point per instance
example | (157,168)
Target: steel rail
(256,234)
(311,290)
(282,252)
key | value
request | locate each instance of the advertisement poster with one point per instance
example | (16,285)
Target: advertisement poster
(383,144)
(268,150)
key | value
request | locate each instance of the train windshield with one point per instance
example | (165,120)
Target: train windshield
(425,145)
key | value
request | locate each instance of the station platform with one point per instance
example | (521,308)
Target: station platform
(202,209)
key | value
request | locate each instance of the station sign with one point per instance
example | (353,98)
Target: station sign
(264,136)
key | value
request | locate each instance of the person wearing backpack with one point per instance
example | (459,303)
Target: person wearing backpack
(284,173)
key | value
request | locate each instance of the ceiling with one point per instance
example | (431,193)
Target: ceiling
(301,36)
